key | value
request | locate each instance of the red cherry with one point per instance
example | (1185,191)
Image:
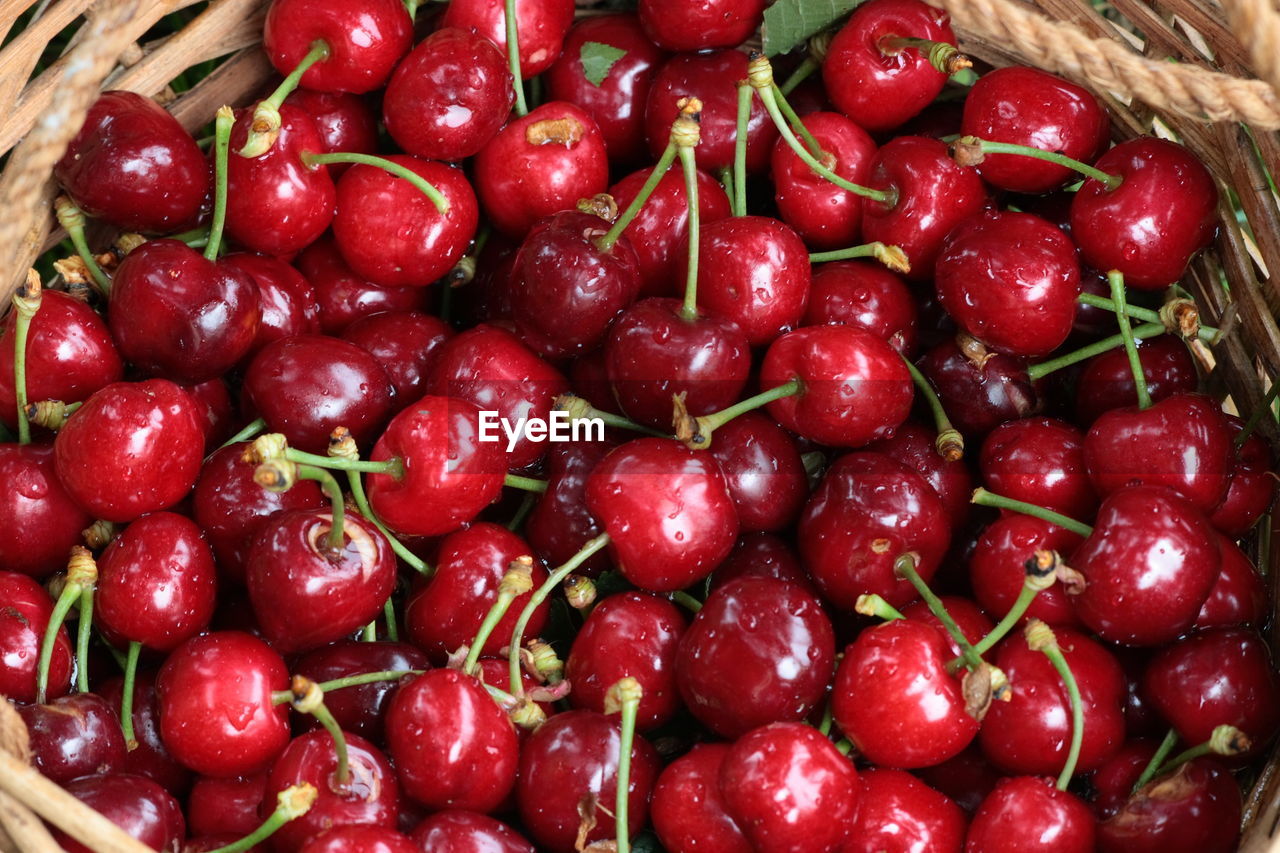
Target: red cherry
(467,832)
(286,301)
(969,618)
(997,567)
(23,621)
(824,215)
(1040,461)
(74,736)
(541,25)
(39,522)
(982,391)
(915,446)
(1239,595)
(345,123)
(1250,486)
(675,25)
(1027,814)
(359,838)
(214,410)
(149,757)
(763,470)
(967,779)
(365,41)
(762,554)
(405,343)
(345,297)
(896,811)
(865,294)
(1114,780)
(360,709)
(688,812)
(1106,382)
(560,521)
(225,805)
(1196,807)
(140,807)
(760,637)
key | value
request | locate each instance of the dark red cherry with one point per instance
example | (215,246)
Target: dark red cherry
(540,164)
(217,805)
(568,768)
(688,812)
(216,712)
(132,448)
(712,77)
(365,41)
(760,637)
(1106,382)
(790,789)
(449,96)
(1040,461)
(445,612)
(967,779)
(345,297)
(560,521)
(824,215)
(1164,211)
(345,122)
(74,736)
(70,354)
(997,567)
(23,621)
(1027,106)
(150,757)
(865,294)
(896,811)
(1182,442)
(894,699)
(359,838)
(449,474)
(133,165)
(360,709)
(1027,814)
(754,270)
(1196,807)
(541,25)
(286,301)
(306,386)
(1239,595)
(1250,486)
(215,411)
(916,446)
(968,616)
(875,82)
(868,511)
(1148,566)
(763,469)
(456,831)
(137,805)
(675,25)
(405,343)
(39,522)
(667,511)
(762,554)
(1114,780)
(981,391)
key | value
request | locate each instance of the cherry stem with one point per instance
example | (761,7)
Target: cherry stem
(802,72)
(26,302)
(726,181)
(687,601)
(252,430)
(51,414)
(982,497)
(624,696)
(1116,279)
(522,511)
(221,146)
(66,599)
(540,595)
(870,604)
(905,567)
(891,256)
(196,238)
(311,160)
(516,582)
(1208,334)
(528,484)
(605,242)
(513,57)
(369,634)
(356,485)
(84,632)
(844,746)
(126,694)
(292,802)
(971,150)
(579,408)
(1225,740)
(71,218)
(797,126)
(740,150)
(284,697)
(1040,575)
(712,422)
(949,443)
(335,541)
(1040,637)
(828,717)
(389,613)
(1263,408)
(1146,330)
(944,57)
(1153,766)
(264,125)
(308,698)
(411,6)
(393,466)
(688,162)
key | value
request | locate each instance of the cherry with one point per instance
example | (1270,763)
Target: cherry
(979,390)
(305,386)
(39,521)
(230,805)
(345,122)
(1027,813)
(916,446)
(137,805)
(467,832)
(1040,461)
(444,614)
(449,96)
(865,294)
(405,343)
(1027,106)
(343,296)
(1106,382)
(974,625)
(1239,595)
(134,166)
(365,40)
(149,757)
(894,699)
(542,27)
(214,410)
(763,470)
(365,838)
(997,567)
(966,779)
(217,716)
(1113,782)
(1149,565)
(689,814)
(286,301)
(824,215)
(70,354)
(74,736)
(360,709)
(760,637)
(789,788)
(680,26)
(1196,807)
(1221,676)
(762,554)
(540,164)
(560,521)
(132,448)
(896,811)
(867,511)
(1250,486)
(667,511)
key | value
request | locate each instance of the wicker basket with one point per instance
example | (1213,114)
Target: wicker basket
(1177,67)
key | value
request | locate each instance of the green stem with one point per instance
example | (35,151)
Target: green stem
(605,242)
(370,632)
(528,484)
(411,6)
(393,467)
(687,601)
(1208,334)
(126,694)
(1147,330)
(343,774)
(311,159)
(291,803)
(740,150)
(336,541)
(1026,595)
(726,181)
(507,593)
(891,256)
(712,422)
(1225,740)
(828,717)
(1077,713)
(71,218)
(265,123)
(986,146)
(252,430)
(905,567)
(982,497)
(1116,279)
(628,694)
(221,146)
(1162,752)
(949,443)
(944,57)
(69,596)
(84,632)
(389,613)
(283,697)
(513,57)
(802,73)
(26,302)
(870,604)
(797,126)
(356,485)
(688,162)
(522,511)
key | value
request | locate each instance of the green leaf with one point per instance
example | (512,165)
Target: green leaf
(787,23)
(597,58)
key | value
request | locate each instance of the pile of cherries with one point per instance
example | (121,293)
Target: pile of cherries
(909,530)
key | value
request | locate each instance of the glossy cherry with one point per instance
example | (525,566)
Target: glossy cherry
(1197,806)
(674,25)
(455,831)
(997,567)
(405,343)
(217,805)
(1027,813)
(688,812)
(541,27)
(916,446)
(365,41)
(286,301)
(74,736)
(137,805)
(39,521)
(1106,382)
(1250,486)
(824,215)
(865,294)
(345,297)
(968,616)
(1239,595)
(896,811)
(763,469)
(345,122)
(762,554)
(150,757)
(1041,461)
(360,709)
(364,837)
(980,392)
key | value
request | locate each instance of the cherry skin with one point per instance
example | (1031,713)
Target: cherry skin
(1040,461)
(365,41)
(1148,566)
(915,446)
(140,807)
(1114,780)
(444,614)
(365,838)
(712,77)
(762,554)
(981,392)
(133,165)
(688,812)
(760,637)
(896,811)
(360,709)
(39,521)
(874,83)
(755,272)
(764,472)
(667,511)
(1027,813)
(345,297)
(894,699)
(574,755)
(132,448)
(214,411)
(1239,595)
(23,621)
(542,27)
(968,616)
(70,354)
(1250,486)
(824,215)
(674,25)
(392,234)
(490,367)
(867,511)
(467,832)
(560,521)
(835,365)
(997,567)
(449,474)
(1196,807)
(226,805)
(1106,382)
(305,386)
(205,678)
(449,96)
(405,343)
(863,293)
(790,789)
(966,779)
(150,757)
(540,164)
(345,123)
(1027,106)
(74,736)
(286,301)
